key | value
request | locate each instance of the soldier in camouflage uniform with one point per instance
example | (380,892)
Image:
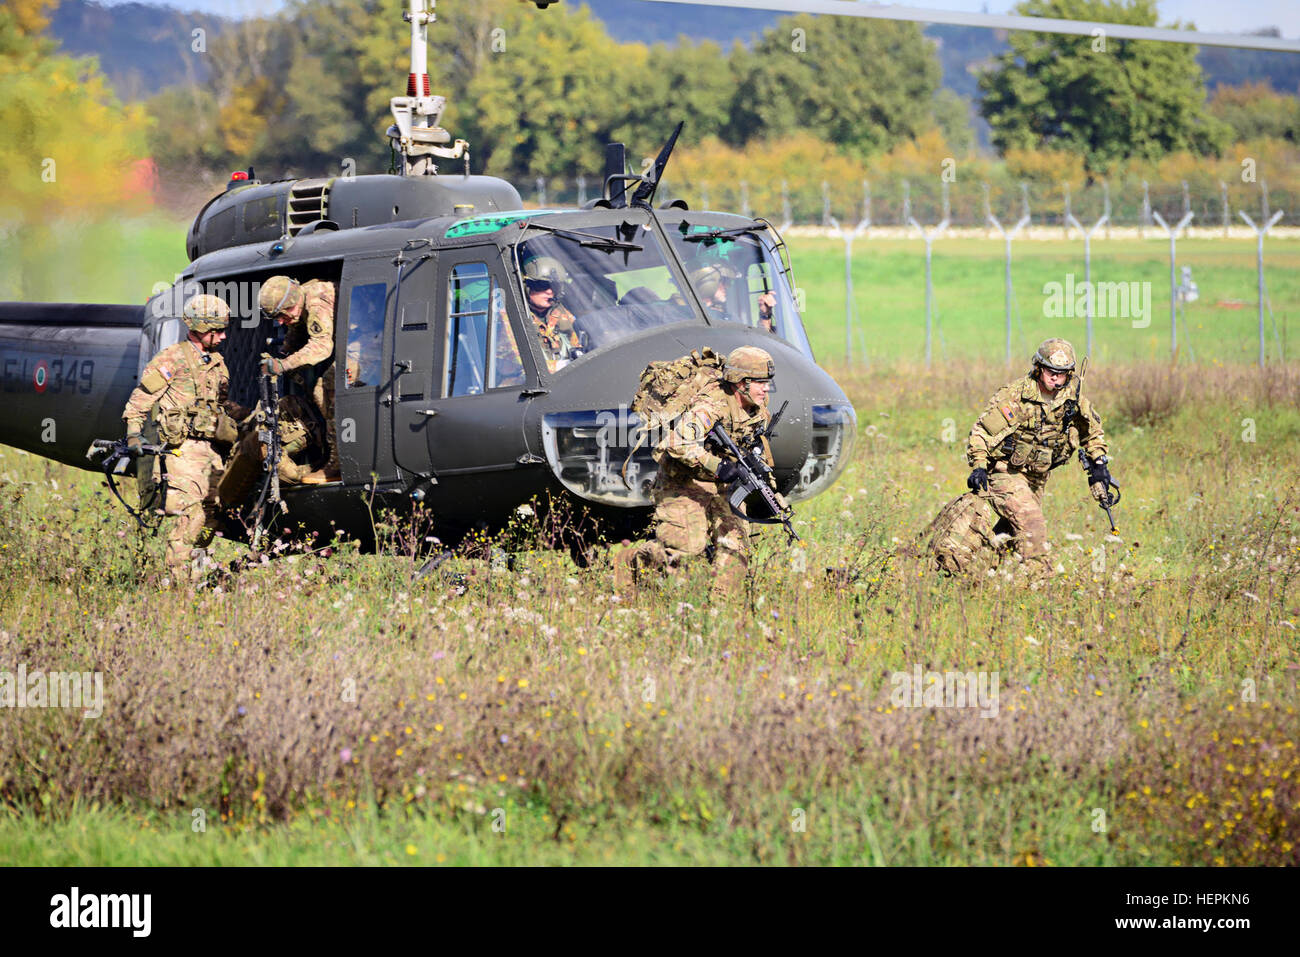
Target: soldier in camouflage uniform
(690,490)
(1031,426)
(184,387)
(552,320)
(301,435)
(308,310)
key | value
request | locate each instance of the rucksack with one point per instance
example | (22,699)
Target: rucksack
(667,389)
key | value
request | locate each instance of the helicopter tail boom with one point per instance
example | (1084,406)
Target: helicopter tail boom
(66,371)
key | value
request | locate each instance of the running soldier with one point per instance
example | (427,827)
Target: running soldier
(1031,426)
(690,489)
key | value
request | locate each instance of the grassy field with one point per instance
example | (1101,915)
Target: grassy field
(315,709)
(969,299)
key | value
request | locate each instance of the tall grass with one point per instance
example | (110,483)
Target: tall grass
(1146,711)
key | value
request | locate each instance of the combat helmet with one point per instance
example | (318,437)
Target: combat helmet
(203,313)
(747,362)
(279,293)
(544,271)
(1055,354)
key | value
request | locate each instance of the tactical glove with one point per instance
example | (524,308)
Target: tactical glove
(978,480)
(135,444)
(1099,474)
(271,365)
(728,472)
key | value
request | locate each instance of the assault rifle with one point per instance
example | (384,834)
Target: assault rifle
(1107,500)
(755,478)
(117,455)
(268,433)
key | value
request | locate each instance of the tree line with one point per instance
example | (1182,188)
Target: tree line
(538,93)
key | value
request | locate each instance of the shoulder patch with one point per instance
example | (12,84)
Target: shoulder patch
(1008,412)
(316,328)
(154,379)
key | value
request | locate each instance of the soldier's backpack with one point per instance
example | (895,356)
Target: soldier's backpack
(667,390)
(964,535)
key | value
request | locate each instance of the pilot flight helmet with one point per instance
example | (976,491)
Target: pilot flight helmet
(278,294)
(747,362)
(1055,354)
(204,313)
(708,278)
(543,271)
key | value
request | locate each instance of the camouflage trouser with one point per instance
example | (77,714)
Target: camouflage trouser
(191,497)
(1017,497)
(689,516)
(299,431)
(322,393)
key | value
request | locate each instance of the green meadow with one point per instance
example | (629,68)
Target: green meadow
(326,707)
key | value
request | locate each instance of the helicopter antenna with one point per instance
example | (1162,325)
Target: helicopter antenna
(416,134)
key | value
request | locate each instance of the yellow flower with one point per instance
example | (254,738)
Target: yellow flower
(410,849)
(523,682)
(582,651)
(463,696)
(437,727)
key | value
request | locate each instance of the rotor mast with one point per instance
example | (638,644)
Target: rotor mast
(416,134)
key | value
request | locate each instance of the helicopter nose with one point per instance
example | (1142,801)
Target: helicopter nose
(601,451)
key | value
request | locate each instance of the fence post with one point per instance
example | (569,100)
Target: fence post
(541,192)
(787,217)
(744,200)
(582,190)
(1105,195)
(929,238)
(1173,282)
(1006,256)
(827,219)
(1087,264)
(1223,189)
(849,308)
(1065,220)
(1146,211)
(1260,232)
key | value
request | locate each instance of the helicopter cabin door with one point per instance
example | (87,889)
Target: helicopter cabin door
(364,390)
(481,367)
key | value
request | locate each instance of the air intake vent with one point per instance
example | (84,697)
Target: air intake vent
(308,202)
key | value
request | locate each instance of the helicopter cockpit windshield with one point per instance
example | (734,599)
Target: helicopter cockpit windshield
(739,277)
(591,286)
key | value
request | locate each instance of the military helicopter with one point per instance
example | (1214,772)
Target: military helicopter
(448,396)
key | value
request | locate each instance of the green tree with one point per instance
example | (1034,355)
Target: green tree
(1108,99)
(863,85)
(68,147)
(1254,110)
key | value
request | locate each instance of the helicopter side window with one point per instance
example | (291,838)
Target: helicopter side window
(506,367)
(365,351)
(481,349)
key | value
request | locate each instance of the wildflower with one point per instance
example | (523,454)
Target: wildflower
(345,755)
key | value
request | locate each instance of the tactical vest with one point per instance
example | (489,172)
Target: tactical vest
(184,417)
